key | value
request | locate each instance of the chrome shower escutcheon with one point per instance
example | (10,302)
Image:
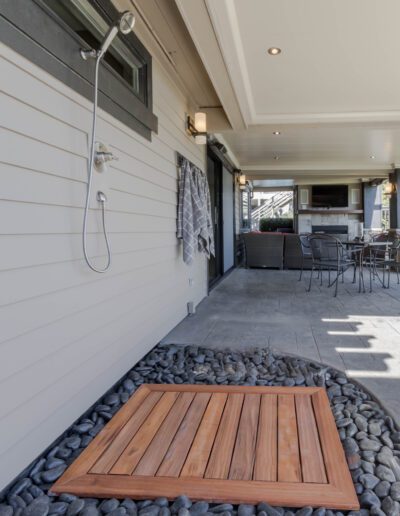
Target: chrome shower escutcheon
(101,197)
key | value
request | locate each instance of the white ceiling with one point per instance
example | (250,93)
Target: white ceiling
(334,91)
(339,58)
(339,145)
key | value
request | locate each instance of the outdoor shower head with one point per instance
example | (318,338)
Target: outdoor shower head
(124,24)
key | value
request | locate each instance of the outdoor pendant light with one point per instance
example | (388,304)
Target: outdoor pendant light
(389,188)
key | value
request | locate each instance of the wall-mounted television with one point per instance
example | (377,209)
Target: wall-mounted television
(330,196)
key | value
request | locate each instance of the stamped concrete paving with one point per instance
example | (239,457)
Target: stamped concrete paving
(357,333)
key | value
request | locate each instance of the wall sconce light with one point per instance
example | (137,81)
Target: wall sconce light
(198,128)
(389,189)
(242,180)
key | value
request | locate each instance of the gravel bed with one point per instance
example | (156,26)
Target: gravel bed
(369,436)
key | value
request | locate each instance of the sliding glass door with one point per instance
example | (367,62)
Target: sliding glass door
(214,176)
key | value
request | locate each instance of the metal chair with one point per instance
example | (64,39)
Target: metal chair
(396,251)
(329,254)
(305,250)
(374,257)
(386,259)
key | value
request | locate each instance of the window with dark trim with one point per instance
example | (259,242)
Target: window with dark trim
(51,33)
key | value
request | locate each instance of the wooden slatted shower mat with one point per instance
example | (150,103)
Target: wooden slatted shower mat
(218,443)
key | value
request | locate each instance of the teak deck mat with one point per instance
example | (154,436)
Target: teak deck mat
(218,443)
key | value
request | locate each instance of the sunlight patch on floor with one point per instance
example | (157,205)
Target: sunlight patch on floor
(373,374)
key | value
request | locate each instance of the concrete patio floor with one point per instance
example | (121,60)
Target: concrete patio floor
(356,333)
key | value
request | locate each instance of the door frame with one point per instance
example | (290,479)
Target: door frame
(232,173)
(219,249)
(223,161)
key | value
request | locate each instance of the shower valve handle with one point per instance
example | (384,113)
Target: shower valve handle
(103,157)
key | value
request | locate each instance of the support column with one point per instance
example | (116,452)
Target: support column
(372,206)
(394,204)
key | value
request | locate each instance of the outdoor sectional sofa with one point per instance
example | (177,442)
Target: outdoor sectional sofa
(274,250)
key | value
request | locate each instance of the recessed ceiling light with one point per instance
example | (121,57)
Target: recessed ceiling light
(274,51)
(276,133)
(372,157)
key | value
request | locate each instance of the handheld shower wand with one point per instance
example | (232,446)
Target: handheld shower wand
(124,24)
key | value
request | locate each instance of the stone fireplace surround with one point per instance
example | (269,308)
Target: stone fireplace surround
(350,216)
(341,232)
(308,222)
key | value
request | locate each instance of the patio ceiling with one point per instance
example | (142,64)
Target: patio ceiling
(332,92)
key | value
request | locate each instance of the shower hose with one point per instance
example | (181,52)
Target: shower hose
(89,183)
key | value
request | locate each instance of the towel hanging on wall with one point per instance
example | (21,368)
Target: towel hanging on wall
(194,224)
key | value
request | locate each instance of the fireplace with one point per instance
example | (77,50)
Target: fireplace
(339,231)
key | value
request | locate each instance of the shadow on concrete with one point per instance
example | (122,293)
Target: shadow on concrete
(358,333)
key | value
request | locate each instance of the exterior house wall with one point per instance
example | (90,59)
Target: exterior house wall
(67,334)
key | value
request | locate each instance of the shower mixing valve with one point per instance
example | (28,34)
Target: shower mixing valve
(102,156)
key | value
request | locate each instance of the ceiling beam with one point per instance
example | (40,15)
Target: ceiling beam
(198,23)
(322,179)
(318,168)
(278,174)
(313,175)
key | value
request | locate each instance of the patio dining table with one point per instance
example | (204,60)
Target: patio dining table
(358,247)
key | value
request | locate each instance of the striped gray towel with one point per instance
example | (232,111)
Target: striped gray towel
(194,224)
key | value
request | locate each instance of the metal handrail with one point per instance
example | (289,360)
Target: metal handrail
(277,201)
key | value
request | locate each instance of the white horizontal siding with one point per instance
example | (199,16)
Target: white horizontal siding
(31,250)
(67,334)
(20,284)
(66,302)
(48,378)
